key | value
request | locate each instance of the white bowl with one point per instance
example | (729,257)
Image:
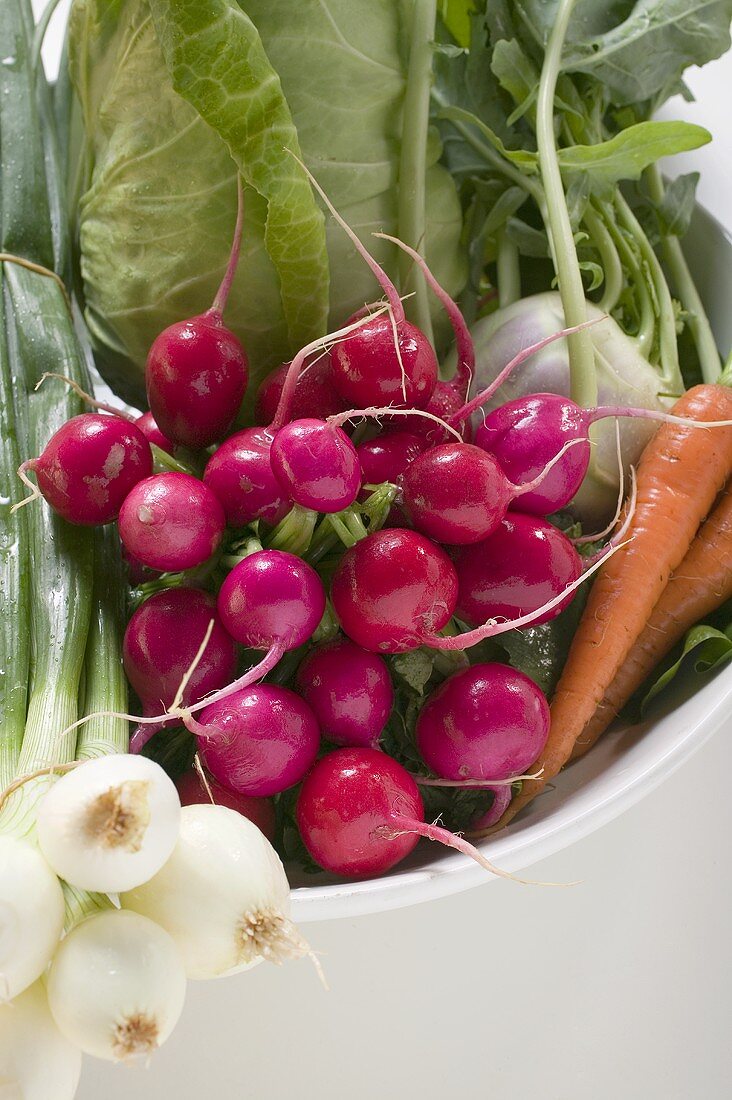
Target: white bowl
(626,764)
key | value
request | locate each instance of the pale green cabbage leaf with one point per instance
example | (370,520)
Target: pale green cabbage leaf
(156,187)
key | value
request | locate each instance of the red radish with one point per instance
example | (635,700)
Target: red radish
(369,370)
(445,403)
(258,741)
(316,464)
(388,360)
(488,721)
(360,813)
(171,521)
(501,799)
(271,597)
(457,493)
(161,641)
(349,690)
(240,474)
(394,589)
(271,601)
(88,467)
(196,372)
(528,434)
(193,792)
(148,427)
(517,569)
(448,397)
(314,394)
(386,457)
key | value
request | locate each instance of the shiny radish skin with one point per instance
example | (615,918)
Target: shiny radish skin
(456,493)
(89,466)
(193,792)
(488,721)
(315,395)
(147,425)
(445,402)
(386,457)
(393,589)
(259,741)
(241,476)
(526,434)
(523,565)
(346,811)
(171,521)
(271,597)
(350,692)
(196,376)
(161,641)
(367,373)
(316,465)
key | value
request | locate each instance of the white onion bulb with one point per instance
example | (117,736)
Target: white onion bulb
(31,915)
(109,824)
(116,986)
(36,1061)
(223,895)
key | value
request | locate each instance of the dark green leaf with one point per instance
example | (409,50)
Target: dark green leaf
(705,648)
(625,156)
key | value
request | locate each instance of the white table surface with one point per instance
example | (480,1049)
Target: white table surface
(617,989)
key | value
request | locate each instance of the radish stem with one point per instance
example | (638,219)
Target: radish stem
(222,294)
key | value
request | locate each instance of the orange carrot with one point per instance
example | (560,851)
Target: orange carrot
(679,476)
(701,584)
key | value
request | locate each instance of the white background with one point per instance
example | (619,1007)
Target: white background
(617,989)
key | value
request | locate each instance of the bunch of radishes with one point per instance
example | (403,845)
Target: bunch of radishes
(244,555)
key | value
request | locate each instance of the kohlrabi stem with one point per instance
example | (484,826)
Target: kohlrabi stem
(105,680)
(411,210)
(666,320)
(222,294)
(508,272)
(583,379)
(646,334)
(697,320)
(611,265)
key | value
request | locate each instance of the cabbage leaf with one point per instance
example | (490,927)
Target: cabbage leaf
(157,196)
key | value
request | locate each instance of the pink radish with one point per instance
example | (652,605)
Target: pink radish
(171,521)
(488,721)
(349,690)
(393,590)
(316,464)
(386,457)
(196,372)
(314,394)
(360,813)
(457,493)
(148,427)
(88,467)
(257,741)
(241,476)
(520,567)
(161,640)
(388,360)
